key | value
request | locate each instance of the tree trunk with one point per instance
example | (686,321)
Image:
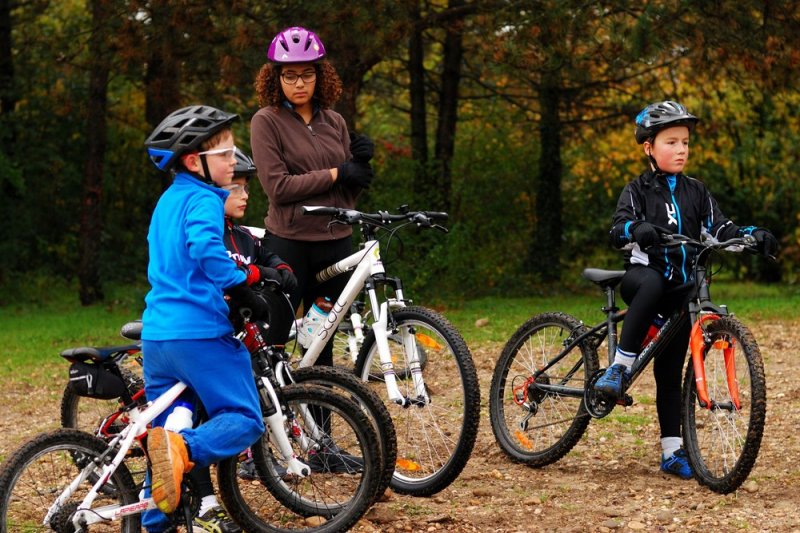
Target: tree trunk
(91,225)
(448,111)
(8,97)
(163,76)
(545,248)
(416,89)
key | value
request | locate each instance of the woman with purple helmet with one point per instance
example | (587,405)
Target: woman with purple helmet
(305,156)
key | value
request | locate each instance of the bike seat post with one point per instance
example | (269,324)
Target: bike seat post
(610,310)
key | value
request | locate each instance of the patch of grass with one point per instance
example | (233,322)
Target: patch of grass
(749,301)
(33,333)
(412,509)
(49,317)
(630,420)
(506,315)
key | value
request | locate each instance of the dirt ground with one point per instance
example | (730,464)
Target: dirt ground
(609,482)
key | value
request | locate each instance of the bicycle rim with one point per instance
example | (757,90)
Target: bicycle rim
(723,443)
(40,470)
(348,384)
(533,426)
(330,498)
(435,440)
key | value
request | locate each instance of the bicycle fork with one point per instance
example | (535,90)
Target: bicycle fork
(387,366)
(697,344)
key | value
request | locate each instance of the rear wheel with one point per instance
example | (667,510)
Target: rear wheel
(723,442)
(103,418)
(38,472)
(534,426)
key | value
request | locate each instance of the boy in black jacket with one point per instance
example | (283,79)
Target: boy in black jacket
(664,196)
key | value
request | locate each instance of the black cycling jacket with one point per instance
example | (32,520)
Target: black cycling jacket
(245,248)
(676,202)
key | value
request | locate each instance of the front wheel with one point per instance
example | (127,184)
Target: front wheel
(723,442)
(434,438)
(533,425)
(36,474)
(342,451)
(358,391)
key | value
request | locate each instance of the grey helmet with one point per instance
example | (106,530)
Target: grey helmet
(183,131)
(660,115)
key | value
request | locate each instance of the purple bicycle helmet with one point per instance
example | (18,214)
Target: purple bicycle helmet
(660,115)
(295,45)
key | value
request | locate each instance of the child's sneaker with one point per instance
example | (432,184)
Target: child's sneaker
(677,464)
(614,381)
(215,520)
(169,460)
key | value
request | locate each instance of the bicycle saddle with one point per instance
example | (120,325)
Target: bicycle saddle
(132,330)
(604,278)
(97,353)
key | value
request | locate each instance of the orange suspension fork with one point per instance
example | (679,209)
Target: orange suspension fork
(697,345)
(730,372)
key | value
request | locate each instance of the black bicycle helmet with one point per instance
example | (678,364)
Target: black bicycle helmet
(245,168)
(183,131)
(660,115)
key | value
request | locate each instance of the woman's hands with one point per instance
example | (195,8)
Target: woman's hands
(361,147)
(355,174)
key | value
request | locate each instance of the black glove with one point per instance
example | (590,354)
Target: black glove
(243,297)
(286,278)
(361,147)
(355,174)
(766,243)
(645,234)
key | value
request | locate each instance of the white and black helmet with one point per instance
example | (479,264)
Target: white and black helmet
(660,115)
(183,131)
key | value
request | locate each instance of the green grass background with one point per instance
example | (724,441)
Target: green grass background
(33,331)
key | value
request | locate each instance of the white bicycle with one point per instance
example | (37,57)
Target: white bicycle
(314,474)
(412,356)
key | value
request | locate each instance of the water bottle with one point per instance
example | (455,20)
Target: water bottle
(180,417)
(658,321)
(313,320)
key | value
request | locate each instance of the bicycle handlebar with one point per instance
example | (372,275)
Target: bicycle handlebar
(736,244)
(424,219)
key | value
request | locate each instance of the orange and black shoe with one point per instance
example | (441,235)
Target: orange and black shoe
(169,460)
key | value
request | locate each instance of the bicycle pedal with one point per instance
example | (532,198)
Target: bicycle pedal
(625,401)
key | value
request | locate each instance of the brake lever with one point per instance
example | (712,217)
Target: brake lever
(440,228)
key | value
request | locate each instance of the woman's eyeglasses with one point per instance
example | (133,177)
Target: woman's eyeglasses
(290,78)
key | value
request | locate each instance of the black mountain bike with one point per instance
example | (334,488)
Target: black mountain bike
(542,394)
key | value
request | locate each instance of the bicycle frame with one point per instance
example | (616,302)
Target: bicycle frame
(140,417)
(700,310)
(368,268)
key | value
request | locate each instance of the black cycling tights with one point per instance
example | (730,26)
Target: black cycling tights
(306,259)
(645,292)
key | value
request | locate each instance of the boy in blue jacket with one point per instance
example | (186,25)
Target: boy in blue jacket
(186,333)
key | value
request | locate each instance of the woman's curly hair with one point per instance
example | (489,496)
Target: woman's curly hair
(268,85)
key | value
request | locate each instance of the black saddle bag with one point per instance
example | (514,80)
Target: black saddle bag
(95,381)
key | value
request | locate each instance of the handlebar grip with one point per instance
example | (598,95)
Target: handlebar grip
(320,210)
(436,215)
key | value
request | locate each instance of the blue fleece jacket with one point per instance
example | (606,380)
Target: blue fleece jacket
(189,266)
